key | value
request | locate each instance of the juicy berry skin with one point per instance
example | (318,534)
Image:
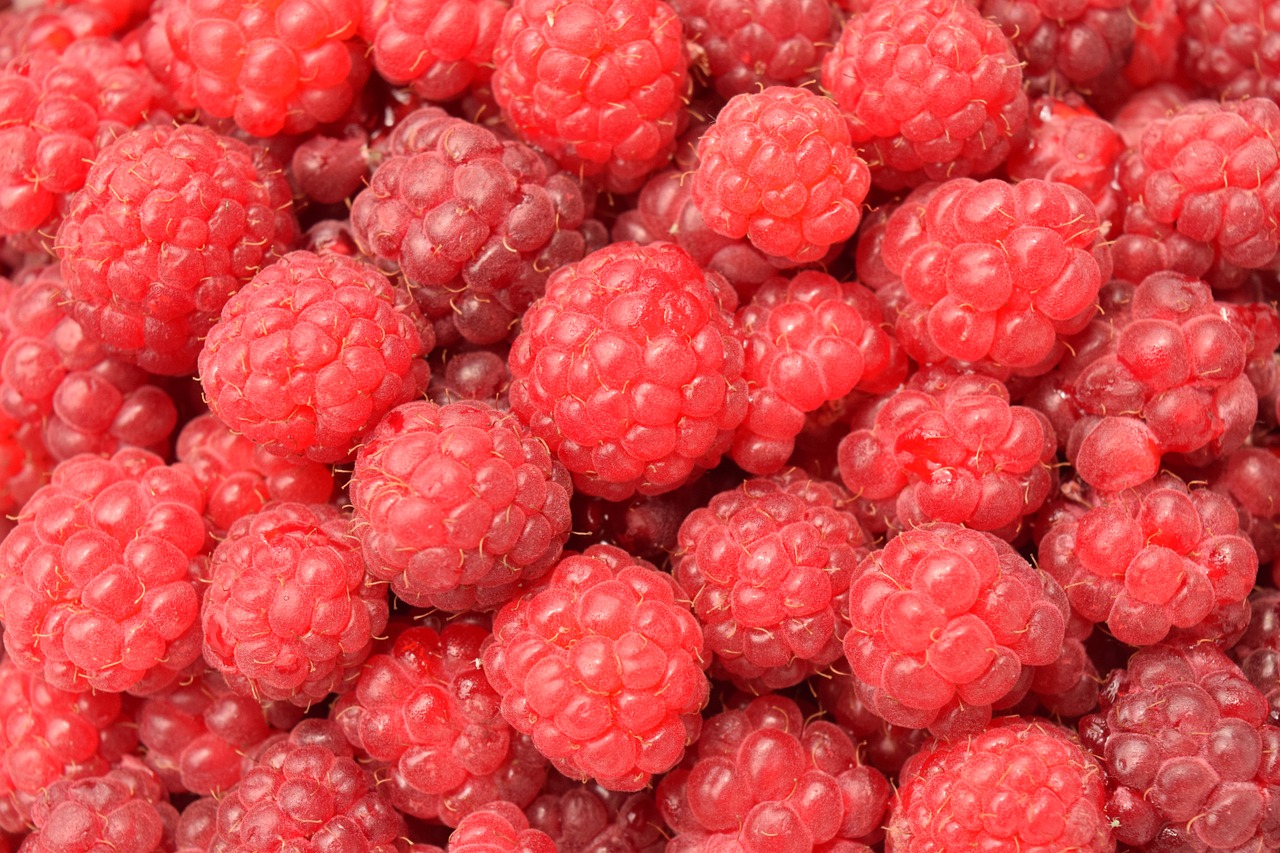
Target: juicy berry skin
(99,580)
(125,808)
(761,774)
(309,355)
(587,818)
(1190,761)
(455,505)
(933,90)
(597,84)
(630,369)
(778,168)
(440,48)
(1020,784)
(170,223)
(602,665)
(290,612)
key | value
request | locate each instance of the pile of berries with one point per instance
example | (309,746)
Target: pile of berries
(639,426)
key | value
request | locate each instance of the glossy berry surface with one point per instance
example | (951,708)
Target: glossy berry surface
(125,808)
(440,48)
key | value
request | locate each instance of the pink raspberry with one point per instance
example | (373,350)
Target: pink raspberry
(586,818)
(276,66)
(597,84)
(99,582)
(944,623)
(762,778)
(630,369)
(779,168)
(881,745)
(291,611)
(1258,652)
(602,665)
(933,90)
(1189,759)
(425,713)
(440,48)
(305,790)
(766,565)
(1232,49)
(455,505)
(204,213)
(125,808)
(309,355)
(1020,784)
(497,828)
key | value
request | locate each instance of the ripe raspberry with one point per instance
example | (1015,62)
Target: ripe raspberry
(934,90)
(761,776)
(1190,763)
(455,505)
(99,580)
(1250,479)
(498,828)
(1258,652)
(881,745)
(425,713)
(331,169)
(472,374)
(476,223)
(766,565)
(630,369)
(309,355)
(196,826)
(597,84)
(291,611)
(170,223)
(276,66)
(943,617)
(123,809)
(587,819)
(1157,45)
(440,48)
(601,664)
(778,168)
(1020,784)
(306,791)
(1068,687)
(995,272)
(1232,49)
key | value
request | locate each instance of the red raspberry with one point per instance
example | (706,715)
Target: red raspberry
(933,89)
(472,374)
(766,565)
(778,168)
(1250,478)
(309,355)
(1020,784)
(122,809)
(1190,762)
(597,84)
(196,826)
(455,505)
(274,66)
(306,791)
(1068,687)
(476,223)
(170,223)
(761,778)
(1233,48)
(589,819)
(995,272)
(1157,45)
(943,617)
(291,611)
(58,24)
(882,745)
(99,580)
(425,713)
(24,467)
(602,664)
(1146,106)
(497,828)
(440,48)
(630,369)
(1258,652)
(331,169)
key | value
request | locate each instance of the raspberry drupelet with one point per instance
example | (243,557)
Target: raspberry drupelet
(778,167)
(291,612)
(124,808)
(1250,479)
(496,828)
(602,665)
(630,369)
(311,353)
(586,818)
(597,84)
(170,223)
(881,744)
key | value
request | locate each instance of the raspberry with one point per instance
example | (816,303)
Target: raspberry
(766,565)
(1157,45)
(309,355)
(761,776)
(995,272)
(440,48)
(943,615)
(1190,763)
(1020,784)
(476,223)
(498,828)
(122,809)
(305,790)
(275,66)
(196,826)
(47,734)
(455,505)
(170,223)
(587,818)
(291,611)
(597,84)
(933,90)
(472,374)
(602,665)
(238,477)
(882,745)
(331,169)
(1068,687)
(1250,478)
(1258,651)
(98,582)
(1232,49)
(630,370)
